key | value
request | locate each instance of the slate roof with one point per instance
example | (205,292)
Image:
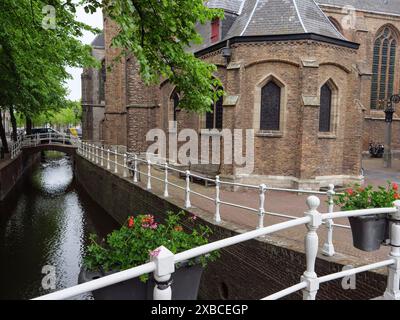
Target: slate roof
(98,41)
(282,17)
(383,6)
(233,6)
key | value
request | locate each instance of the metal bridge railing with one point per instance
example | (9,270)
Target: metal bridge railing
(34,140)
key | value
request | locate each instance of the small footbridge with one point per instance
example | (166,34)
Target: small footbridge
(30,144)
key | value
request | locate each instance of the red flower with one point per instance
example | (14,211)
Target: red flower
(395,186)
(178,228)
(350,191)
(397,196)
(131,222)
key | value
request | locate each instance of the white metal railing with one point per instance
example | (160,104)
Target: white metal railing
(34,140)
(16,147)
(123,163)
(163,265)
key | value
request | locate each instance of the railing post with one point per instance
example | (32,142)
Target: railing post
(102,157)
(217,217)
(97,154)
(311,248)
(37,139)
(125,174)
(392,290)
(108,159)
(261,210)
(148,175)
(165,266)
(49,138)
(63,135)
(116,162)
(329,249)
(135,170)
(166,195)
(187,190)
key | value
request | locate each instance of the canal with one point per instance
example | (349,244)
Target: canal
(46,222)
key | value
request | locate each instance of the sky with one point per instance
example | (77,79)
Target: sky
(94,20)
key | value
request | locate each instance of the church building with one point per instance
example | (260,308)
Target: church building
(311,78)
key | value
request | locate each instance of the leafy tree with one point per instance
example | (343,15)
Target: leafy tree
(158,33)
(70,115)
(34,59)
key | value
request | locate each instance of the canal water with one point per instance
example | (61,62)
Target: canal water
(44,226)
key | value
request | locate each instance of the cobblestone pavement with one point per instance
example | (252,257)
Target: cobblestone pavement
(280,202)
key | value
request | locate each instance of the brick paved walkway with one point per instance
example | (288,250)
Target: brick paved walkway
(280,202)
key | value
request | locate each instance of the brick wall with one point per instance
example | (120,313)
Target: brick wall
(366,27)
(298,156)
(114,126)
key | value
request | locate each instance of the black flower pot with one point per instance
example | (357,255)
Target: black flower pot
(185,286)
(368,231)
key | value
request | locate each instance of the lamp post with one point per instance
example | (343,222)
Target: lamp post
(389,111)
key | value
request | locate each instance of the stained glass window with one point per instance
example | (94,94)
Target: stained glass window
(270,106)
(383,68)
(325,109)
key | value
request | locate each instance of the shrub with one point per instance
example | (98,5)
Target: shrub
(138,238)
(358,197)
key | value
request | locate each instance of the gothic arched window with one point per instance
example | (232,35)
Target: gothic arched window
(175,101)
(383,67)
(214,119)
(336,24)
(325,109)
(270,106)
(102,80)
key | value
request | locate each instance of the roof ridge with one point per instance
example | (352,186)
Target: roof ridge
(241,7)
(299,16)
(250,17)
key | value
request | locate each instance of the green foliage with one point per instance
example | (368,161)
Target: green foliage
(158,33)
(69,115)
(33,60)
(358,197)
(133,244)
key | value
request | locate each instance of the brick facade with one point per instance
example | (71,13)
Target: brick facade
(92,103)
(363,30)
(298,155)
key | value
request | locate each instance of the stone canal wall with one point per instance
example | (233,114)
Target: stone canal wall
(11,171)
(250,270)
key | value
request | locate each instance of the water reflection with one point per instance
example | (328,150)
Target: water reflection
(46,222)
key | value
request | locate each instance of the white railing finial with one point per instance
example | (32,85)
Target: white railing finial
(187,190)
(261,210)
(165,266)
(329,249)
(311,248)
(393,290)
(217,217)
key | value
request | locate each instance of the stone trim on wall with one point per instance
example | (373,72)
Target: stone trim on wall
(294,182)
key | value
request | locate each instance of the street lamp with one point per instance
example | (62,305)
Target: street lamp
(389,111)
